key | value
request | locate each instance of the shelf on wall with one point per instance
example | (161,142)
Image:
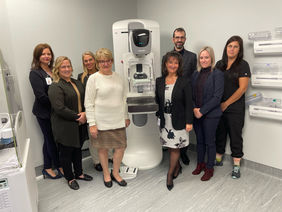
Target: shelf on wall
(267,108)
(266,75)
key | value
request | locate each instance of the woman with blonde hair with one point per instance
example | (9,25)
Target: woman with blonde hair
(208,85)
(106,111)
(89,67)
(68,120)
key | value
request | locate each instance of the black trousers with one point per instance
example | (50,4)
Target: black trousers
(50,151)
(71,156)
(230,124)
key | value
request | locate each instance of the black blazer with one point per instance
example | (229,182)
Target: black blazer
(42,106)
(66,129)
(189,63)
(212,93)
(181,98)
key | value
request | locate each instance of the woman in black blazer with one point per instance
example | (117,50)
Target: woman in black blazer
(174,97)
(68,120)
(40,78)
(208,85)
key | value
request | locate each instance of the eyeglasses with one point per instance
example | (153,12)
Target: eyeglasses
(65,67)
(180,38)
(104,61)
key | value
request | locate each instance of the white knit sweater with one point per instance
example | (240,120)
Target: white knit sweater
(105,101)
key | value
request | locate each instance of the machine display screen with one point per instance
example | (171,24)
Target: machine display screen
(141,37)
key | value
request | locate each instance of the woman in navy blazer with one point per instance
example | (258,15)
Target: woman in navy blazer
(208,85)
(40,78)
(174,97)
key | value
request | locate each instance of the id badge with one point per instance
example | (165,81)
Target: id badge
(159,122)
(48,80)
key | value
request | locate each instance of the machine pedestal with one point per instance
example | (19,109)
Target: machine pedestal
(144,150)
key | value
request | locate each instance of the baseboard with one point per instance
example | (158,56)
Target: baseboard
(193,147)
(249,164)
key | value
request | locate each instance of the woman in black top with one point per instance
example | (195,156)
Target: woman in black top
(40,78)
(89,68)
(236,78)
(174,97)
(68,120)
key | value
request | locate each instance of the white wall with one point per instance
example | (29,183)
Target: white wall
(212,23)
(72,26)
(69,26)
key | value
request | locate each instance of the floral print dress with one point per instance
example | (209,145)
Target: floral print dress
(170,137)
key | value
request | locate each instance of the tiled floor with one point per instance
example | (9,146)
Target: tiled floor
(254,191)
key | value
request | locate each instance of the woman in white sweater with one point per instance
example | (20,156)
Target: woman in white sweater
(106,111)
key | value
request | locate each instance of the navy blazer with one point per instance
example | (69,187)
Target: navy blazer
(213,91)
(42,106)
(182,105)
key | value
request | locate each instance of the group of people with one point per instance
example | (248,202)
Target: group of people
(207,96)
(193,92)
(66,107)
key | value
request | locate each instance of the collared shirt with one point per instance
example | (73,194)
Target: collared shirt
(180,52)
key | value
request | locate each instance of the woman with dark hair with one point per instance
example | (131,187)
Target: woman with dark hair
(236,79)
(208,85)
(68,120)
(40,78)
(174,97)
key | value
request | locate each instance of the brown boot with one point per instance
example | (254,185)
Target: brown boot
(200,167)
(208,174)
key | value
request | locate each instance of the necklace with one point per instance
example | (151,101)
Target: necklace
(170,80)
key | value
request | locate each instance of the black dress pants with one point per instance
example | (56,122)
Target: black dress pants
(71,156)
(50,151)
(230,124)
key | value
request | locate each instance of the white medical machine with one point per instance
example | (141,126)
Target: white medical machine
(137,60)
(18,187)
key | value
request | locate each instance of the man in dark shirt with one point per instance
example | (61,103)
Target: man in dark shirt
(189,66)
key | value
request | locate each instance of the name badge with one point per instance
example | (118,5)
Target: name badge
(48,80)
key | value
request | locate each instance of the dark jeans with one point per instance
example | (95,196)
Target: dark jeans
(205,129)
(232,124)
(50,151)
(71,156)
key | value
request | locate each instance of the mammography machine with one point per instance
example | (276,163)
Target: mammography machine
(137,60)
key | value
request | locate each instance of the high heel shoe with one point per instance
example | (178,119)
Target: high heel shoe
(179,172)
(60,173)
(47,175)
(169,183)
